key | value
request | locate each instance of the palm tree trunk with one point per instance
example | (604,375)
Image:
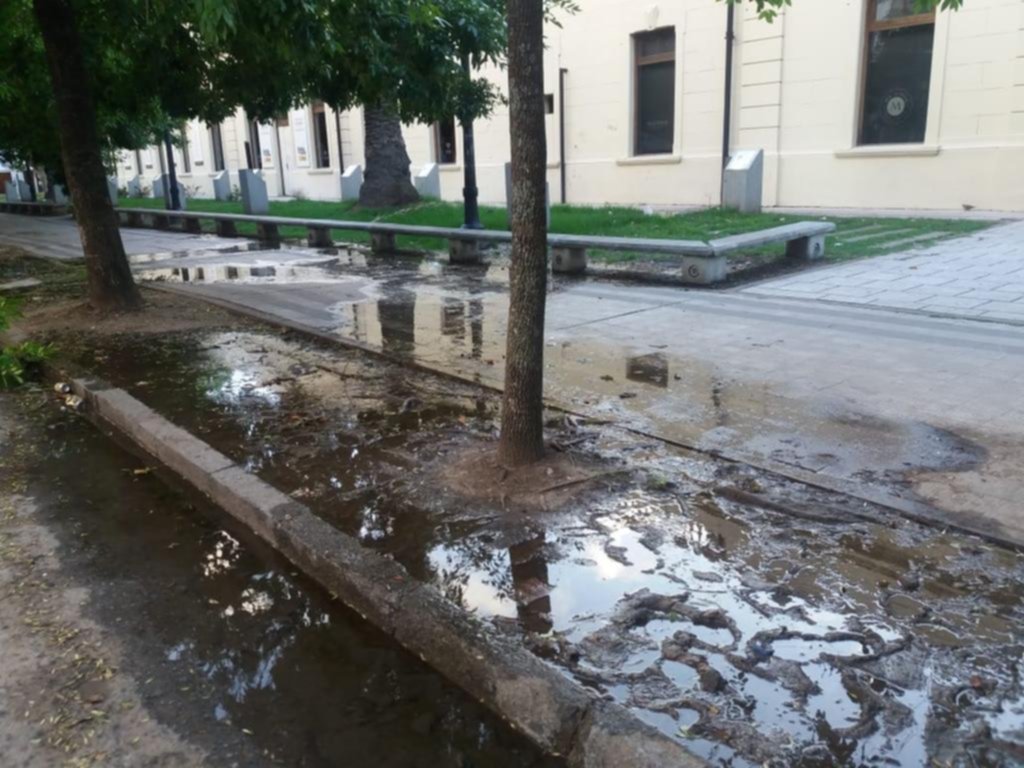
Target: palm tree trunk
(522,416)
(111,286)
(387,181)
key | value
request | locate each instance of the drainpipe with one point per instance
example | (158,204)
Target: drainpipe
(727,117)
(470,193)
(561,129)
(172,201)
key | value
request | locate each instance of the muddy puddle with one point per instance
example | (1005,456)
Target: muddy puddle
(237,651)
(454,319)
(755,620)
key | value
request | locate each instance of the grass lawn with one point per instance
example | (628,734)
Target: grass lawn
(854,237)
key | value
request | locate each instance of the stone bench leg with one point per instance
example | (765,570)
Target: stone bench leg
(192,226)
(382,242)
(704,270)
(132,219)
(568,261)
(225,228)
(808,248)
(160,222)
(319,237)
(463,252)
(268,233)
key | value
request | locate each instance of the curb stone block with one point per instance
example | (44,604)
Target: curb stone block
(612,738)
(372,586)
(247,498)
(495,670)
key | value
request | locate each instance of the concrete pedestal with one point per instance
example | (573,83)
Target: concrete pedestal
(382,242)
(704,270)
(807,248)
(463,252)
(568,261)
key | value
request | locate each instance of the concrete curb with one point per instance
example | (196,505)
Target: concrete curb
(555,713)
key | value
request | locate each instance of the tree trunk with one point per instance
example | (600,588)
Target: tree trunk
(386,181)
(522,415)
(111,286)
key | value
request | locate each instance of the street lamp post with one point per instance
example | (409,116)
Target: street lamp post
(470,193)
(171,198)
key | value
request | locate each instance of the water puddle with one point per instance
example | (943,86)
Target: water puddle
(246,657)
(753,635)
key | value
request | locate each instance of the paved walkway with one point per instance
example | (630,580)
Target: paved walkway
(56,237)
(920,411)
(980,276)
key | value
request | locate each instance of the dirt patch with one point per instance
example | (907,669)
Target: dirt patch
(161,313)
(476,474)
(63,699)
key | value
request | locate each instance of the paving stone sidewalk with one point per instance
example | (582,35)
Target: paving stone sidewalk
(980,276)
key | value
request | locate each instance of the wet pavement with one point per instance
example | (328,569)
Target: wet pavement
(756,620)
(243,658)
(911,410)
(57,237)
(917,412)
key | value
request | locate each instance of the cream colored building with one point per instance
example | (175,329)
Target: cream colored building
(855,103)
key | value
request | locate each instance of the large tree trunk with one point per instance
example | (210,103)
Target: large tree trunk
(110,279)
(522,425)
(386,181)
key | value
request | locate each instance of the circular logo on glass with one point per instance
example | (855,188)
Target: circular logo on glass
(897,104)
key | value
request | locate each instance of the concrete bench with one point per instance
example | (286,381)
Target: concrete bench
(38,208)
(700,262)
(464,244)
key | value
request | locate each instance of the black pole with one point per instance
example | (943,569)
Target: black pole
(171,199)
(561,131)
(470,193)
(341,149)
(727,117)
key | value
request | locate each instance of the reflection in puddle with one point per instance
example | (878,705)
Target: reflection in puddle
(220,638)
(710,617)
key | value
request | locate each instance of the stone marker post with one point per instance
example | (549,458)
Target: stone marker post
(254,192)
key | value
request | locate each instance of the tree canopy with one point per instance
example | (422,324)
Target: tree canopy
(155,63)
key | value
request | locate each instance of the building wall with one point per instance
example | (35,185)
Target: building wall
(796,95)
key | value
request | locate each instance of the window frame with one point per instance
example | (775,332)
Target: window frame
(871,25)
(319,152)
(217,145)
(186,155)
(437,143)
(255,154)
(638,61)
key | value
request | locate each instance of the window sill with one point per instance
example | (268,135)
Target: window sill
(890,150)
(321,172)
(650,160)
(449,166)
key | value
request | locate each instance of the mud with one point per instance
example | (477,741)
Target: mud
(756,620)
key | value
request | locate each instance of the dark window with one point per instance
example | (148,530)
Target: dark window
(322,147)
(186,157)
(253,153)
(218,147)
(444,142)
(655,79)
(897,73)
(549,103)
